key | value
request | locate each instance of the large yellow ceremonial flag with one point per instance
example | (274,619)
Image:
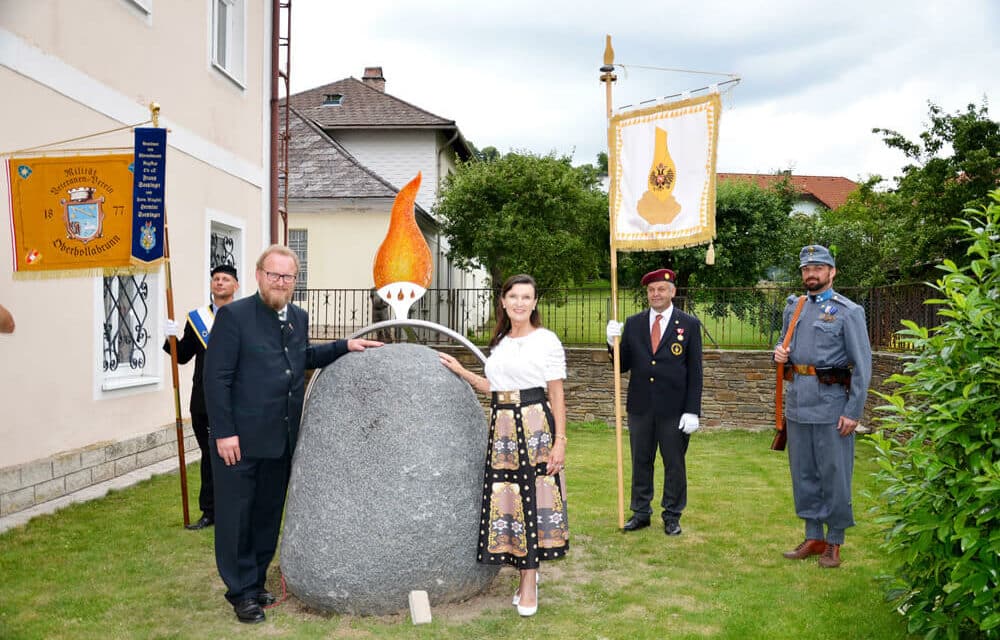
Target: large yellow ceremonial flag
(662,166)
(71,212)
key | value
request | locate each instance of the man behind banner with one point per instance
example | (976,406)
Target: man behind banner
(192,340)
(255,388)
(662,349)
(828,366)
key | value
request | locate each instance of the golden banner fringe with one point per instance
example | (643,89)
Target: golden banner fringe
(94,272)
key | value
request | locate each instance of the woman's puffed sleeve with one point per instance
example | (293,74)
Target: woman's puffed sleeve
(555,358)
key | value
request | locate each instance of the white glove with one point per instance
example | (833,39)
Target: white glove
(171,328)
(689,423)
(614,330)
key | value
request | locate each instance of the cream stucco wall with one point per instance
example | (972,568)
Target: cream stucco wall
(344,236)
(72,68)
(165,56)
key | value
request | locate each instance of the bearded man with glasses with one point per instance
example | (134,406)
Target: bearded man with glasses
(254,389)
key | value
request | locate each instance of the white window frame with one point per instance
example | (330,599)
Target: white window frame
(124,377)
(302,239)
(219,221)
(230,29)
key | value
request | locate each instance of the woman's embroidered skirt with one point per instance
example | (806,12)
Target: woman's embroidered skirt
(524,511)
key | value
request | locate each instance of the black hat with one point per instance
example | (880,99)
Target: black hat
(226,269)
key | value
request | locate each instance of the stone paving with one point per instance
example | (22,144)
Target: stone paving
(99,491)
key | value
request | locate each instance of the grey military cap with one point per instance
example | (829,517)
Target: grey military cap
(815,254)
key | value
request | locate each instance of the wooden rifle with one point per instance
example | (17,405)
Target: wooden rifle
(781,435)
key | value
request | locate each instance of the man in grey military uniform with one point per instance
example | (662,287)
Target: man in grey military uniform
(828,368)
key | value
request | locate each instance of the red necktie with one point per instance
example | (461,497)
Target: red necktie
(654,333)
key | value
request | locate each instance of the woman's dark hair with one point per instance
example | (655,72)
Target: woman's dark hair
(503,321)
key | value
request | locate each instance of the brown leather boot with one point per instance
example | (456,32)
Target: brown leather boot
(806,548)
(831,557)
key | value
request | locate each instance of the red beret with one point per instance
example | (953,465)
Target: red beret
(665,275)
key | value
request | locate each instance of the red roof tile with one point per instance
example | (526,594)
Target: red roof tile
(830,191)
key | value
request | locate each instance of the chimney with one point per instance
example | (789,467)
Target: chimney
(373,78)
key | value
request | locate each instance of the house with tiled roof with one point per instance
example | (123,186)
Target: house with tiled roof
(352,147)
(814,192)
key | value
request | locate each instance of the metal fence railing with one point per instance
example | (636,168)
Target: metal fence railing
(747,318)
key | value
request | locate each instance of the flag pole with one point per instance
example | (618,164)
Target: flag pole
(608,77)
(154,109)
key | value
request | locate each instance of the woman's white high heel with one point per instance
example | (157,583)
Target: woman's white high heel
(529,611)
(516,600)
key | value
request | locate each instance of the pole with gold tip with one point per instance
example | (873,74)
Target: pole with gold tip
(608,77)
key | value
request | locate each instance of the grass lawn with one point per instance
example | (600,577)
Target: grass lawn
(581,316)
(123,567)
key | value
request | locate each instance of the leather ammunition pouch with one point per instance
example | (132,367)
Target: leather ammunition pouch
(825,375)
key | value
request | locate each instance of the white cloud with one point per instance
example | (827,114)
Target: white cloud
(817,77)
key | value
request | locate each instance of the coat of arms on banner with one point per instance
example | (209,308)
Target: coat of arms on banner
(83,215)
(147,237)
(663,174)
(70,213)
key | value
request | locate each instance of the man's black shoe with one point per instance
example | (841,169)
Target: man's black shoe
(671,527)
(266,598)
(202,522)
(249,611)
(635,523)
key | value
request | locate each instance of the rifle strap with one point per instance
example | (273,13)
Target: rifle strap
(779,400)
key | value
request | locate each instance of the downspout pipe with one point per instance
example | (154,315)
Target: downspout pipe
(273,129)
(437,193)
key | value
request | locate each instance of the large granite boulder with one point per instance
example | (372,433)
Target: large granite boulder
(386,487)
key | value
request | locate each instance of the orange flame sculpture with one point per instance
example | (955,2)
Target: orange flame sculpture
(402,269)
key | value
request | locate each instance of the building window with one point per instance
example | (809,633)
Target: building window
(225,243)
(129,356)
(334,99)
(298,241)
(228,37)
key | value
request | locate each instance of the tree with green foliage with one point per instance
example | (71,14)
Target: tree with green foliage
(902,234)
(750,222)
(940,457)
(486,154)
(858,233)
(525,213)
(602,163)
(936,185)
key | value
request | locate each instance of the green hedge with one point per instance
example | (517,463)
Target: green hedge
(939,455)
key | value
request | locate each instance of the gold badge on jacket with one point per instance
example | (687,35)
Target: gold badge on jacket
(676,349)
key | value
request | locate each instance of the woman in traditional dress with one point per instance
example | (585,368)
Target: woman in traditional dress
(524,506)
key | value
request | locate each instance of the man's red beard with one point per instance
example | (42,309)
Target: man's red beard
(277,299)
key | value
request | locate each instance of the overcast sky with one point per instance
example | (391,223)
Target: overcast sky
(523,75)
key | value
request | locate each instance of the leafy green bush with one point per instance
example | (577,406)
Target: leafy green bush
(939,456)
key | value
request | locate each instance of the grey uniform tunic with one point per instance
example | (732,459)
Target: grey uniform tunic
(831,332)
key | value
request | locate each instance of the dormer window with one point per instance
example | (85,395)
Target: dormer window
(334,99)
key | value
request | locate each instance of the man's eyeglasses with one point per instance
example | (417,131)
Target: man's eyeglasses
(287,278)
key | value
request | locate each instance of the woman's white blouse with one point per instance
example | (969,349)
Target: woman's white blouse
(526,362)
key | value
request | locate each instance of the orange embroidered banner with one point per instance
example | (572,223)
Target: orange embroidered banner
(71,212)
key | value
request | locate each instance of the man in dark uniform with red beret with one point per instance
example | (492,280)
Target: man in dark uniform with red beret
(662,348)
